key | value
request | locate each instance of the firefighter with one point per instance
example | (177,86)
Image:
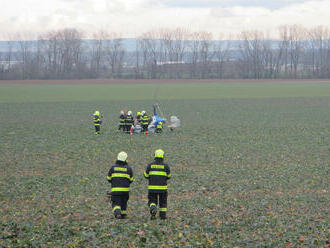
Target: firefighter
(122,118)
(129,121)
(157,173)
(145,121)
(139,118)
(97,119)
(159,127)
(120,176)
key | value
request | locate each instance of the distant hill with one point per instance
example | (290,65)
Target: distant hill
(129,44)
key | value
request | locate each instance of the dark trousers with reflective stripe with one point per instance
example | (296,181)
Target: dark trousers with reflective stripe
(161,199)
(127,127)
(120,201)
(97,128)
(144,127)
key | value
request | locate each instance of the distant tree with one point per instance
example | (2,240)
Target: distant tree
(221,53)
(194,53)
(297,36)
(114,53)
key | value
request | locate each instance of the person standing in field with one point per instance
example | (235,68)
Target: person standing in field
(97,119)
(145,121)
(157,173)
(129,121)
(120,176)
(139,118)
(122,118)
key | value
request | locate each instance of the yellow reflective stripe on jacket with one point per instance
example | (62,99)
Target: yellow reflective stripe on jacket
(121,175)
(158,173)
(146,174)
(119,169)
(108,178)
(97,124)
(119,189)
(157,166)
(131,179)
(157,187)
(169,175)
(162,209)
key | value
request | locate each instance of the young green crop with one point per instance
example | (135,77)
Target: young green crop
(247,171)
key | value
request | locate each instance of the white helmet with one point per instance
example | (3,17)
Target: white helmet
(97,113)
(122,156)
(143,112)
(122,112)
(129,112)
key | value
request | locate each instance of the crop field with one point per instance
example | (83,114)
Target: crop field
(250,166)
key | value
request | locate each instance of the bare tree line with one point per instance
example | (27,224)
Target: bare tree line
(169,53)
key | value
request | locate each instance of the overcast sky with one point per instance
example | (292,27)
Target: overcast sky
(133,17)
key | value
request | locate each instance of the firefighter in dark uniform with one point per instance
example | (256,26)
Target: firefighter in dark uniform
(122,118)
(120,176)
(139,118)
(159,127)
(157,173)
(129,121)
(144,121)
(97,121)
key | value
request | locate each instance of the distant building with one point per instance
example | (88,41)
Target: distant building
(170,62)
(4,64)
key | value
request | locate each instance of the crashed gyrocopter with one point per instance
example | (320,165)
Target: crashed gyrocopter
(154,124)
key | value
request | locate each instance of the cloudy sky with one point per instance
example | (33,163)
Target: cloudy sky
(133,17)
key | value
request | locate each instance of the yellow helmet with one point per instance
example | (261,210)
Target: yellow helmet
(159,153)
(97,113)
(138,113)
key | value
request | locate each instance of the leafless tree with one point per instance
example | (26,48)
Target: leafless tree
(114,54)
(25,55)
(206,53)
(194,53)
(297,34)
(97,51)
(318,45)
(169,53)
(221,53)
(152,49)
(175,45)
(251,50)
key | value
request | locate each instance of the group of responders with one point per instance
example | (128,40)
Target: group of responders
(120,176)
(141,123)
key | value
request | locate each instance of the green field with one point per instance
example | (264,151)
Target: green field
(250,167)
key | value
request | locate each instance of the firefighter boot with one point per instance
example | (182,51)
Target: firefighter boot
(162,215)
(153,211)
(117,213)
(123,214)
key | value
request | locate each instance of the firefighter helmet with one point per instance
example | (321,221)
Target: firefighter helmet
(159,153)
(122,156)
